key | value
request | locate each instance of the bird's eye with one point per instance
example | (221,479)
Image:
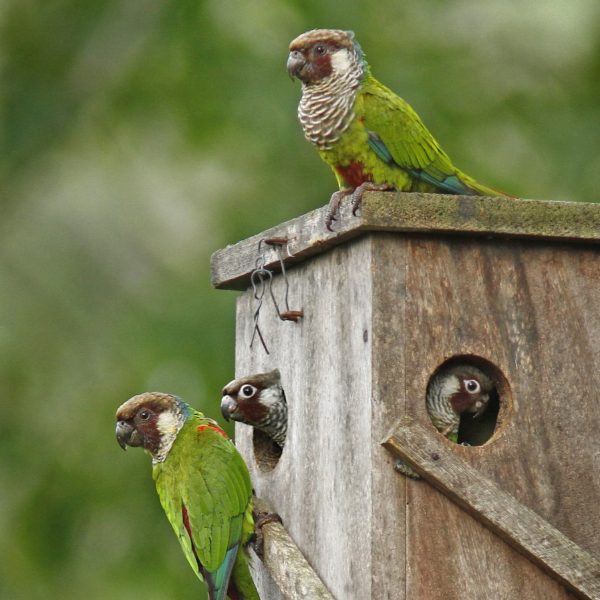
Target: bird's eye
(144,415)
(247,391)
(320,49)
(472,386)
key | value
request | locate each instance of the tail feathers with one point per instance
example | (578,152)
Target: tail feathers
(241,586)
(477,189)
(218,581)
(457,183)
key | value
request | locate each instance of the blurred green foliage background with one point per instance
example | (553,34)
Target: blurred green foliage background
(136,138)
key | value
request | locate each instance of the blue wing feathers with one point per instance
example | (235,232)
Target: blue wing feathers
(376,144)
(450,184)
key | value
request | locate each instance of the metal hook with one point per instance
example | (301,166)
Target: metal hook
(261,277)
(259,274)
(287,315)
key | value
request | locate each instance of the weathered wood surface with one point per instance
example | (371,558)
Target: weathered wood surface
(286,564)
(389,549)
(382,312)
(518,525)
(531,309)
(322,464)
(415,212)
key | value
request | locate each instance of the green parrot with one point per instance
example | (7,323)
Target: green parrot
(203,485)
(369,136)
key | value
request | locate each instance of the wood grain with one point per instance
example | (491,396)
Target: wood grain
(411,212)
(388,549)
(516,524)
(526,306)
(325,366)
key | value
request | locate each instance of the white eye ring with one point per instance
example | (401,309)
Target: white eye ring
(247,391)
(472,386)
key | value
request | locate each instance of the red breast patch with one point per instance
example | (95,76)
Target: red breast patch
(353,174)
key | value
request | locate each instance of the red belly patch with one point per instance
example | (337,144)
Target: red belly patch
(353,174)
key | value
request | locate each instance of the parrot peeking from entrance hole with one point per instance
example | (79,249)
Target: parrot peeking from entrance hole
(454,391)
(203,485)
(258,400)
(369,136)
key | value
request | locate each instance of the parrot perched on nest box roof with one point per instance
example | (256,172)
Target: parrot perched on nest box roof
(203,485)
(259,401)
(369,136)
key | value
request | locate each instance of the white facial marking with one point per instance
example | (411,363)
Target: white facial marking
(340,61)
(450,386)
(168,424)
(271,396)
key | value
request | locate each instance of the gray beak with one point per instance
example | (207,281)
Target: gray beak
(228,407)
(295,63)
(124,432)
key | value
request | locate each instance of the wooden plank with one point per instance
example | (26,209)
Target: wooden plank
(529,308)
(388,519)
(411,212)
(516,524)
(321,485)
(288,567)
(459,293)
(307,235)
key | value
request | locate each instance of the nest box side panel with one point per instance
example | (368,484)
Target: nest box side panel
(527,308)
(388,548)
(321,485)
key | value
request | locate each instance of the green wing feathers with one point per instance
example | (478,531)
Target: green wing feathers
(400,139)
(206,492)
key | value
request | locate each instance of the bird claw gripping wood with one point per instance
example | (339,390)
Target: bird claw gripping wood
(366,186)
(260,520)
(356,198)
(261,278)
(334,206)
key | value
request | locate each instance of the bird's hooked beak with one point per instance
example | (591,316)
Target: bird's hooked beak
(127,435)
(228,408)
(295,64)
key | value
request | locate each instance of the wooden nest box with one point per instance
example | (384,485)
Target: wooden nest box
(392,295)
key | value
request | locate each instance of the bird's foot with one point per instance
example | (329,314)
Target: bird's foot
(260,520)
(334,205)
(402,467)
(367,186)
